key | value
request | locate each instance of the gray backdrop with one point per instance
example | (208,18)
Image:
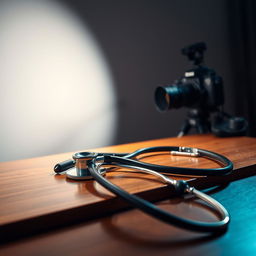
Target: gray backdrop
(142,40)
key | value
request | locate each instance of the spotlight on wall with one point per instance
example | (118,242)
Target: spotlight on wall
(56,91)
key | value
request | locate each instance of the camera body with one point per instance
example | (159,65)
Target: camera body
(200,87)
(201,90)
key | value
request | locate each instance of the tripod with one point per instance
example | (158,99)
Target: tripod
(197,118)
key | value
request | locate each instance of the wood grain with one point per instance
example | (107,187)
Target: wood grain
(134,233)
(32,198)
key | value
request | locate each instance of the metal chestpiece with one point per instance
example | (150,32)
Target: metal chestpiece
(80,171)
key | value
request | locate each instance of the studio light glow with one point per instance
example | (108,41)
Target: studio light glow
(56,91)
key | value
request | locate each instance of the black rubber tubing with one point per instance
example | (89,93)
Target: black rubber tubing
(153,210)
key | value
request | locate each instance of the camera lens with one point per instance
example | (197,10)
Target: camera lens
(176,96)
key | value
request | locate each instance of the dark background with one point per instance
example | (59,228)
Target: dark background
(141,40)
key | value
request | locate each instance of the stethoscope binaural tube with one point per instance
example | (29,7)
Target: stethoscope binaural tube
(181,187)
(178,151)
(81,158)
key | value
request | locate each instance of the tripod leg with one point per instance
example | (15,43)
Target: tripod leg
(202,128)
(184,129)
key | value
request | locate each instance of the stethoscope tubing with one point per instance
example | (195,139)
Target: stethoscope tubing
(97,163)
(122,158)
(228,165)
(86,165)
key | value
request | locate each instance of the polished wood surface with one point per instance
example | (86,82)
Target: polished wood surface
(33,199)
(134,233)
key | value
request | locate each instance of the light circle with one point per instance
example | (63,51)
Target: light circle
(56,90)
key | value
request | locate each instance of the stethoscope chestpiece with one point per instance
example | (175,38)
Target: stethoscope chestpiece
(80,171)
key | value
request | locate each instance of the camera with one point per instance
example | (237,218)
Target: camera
(201,90)
(200,87)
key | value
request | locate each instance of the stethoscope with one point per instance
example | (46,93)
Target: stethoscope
(92,165)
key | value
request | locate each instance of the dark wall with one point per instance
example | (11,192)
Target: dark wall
(141,40)
(242,24)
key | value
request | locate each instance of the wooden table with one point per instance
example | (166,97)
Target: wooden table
(46,214)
